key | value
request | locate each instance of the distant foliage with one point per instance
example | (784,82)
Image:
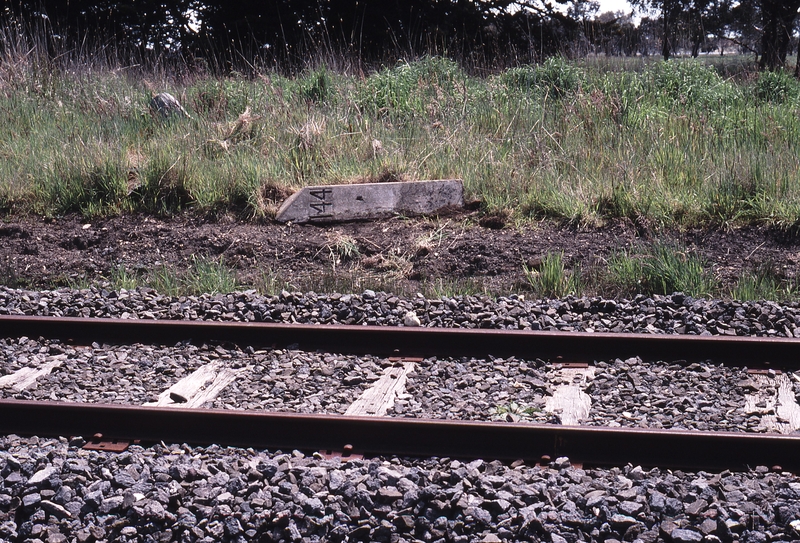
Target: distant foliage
(555,77)
(410,87)
(690,84)
(778,87)
(318,86)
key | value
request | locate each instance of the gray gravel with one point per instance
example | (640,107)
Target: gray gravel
(624,393)
(52,491)
(281,380)
(676,314)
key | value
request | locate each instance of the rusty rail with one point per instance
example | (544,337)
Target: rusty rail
(412,437)
(593,445)
(399,341)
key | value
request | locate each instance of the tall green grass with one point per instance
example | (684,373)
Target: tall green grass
(676,144)
(201,276)
(660,269)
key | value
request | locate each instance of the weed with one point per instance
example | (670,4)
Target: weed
(123,278)
(342,248)
(762,283)
(166,280)
(209,276)
(659,269)
(431,240)
(449,288)
(776,86)
(391,266)
(551,279)
(269,282)
(514,412)
(9,273)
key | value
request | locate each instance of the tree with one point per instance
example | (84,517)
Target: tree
(778,18)
(670,12)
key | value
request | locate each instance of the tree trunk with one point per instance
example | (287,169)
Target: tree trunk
(665,44)
(797,65)
(779,16)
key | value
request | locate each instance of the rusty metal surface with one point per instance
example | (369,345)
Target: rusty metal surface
(400,341)
(97,443)
(411,437)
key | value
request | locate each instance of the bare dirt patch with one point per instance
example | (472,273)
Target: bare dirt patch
(398,254)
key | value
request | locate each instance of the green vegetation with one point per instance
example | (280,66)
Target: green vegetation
(660,269)
(514,412)
(202,276)
(764,283)
(671,144)
(551,279)
(651,269)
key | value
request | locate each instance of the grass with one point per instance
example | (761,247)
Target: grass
(551,279)
(680,144)
(660,269)
(651,269)
(201,276)
(764,283)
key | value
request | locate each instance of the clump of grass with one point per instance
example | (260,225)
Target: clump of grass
(342,248)
(450,287)
(776,86)
(209,276)
(86,181)
(318,86)
(269,282)
(556,77)
(421,88)
(165,187)
(659,269)
(762,283)
(551,279)
(203,276)
(691,84)
(123,278)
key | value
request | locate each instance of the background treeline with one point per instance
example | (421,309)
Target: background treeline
(227,35)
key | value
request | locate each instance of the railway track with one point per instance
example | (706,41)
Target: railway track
(571,355)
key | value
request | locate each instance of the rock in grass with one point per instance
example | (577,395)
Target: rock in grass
(167,106)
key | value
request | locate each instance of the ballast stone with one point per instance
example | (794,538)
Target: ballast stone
(335,203)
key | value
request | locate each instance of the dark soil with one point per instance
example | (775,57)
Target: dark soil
(403,255)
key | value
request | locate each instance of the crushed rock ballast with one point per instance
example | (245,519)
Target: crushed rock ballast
(51,490)
(675,314)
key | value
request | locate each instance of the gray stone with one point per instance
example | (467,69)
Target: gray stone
(696,507)
(55,537)
(330,203)
(166,106)
(681,535)
(32,499)
(42,475)
(631,508)
(622,520)
(55,509)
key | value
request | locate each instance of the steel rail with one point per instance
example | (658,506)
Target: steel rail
(401,341)
(405,437)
